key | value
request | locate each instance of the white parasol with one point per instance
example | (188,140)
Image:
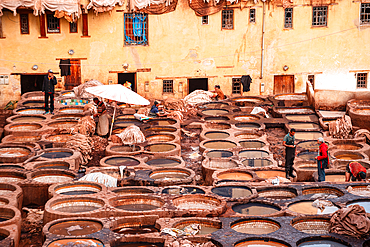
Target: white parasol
(118,93)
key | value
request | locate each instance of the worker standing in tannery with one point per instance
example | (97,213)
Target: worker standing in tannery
(355,171)
(288,143)
(322,159)
(219,95)
(48,90)
(103,121)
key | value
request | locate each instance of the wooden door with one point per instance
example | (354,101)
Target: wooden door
(74,79)
(283,84)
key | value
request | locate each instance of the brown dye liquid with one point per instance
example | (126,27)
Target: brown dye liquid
(163,162)
(306,207)
(257,162)
(75,228)
(121,161)
(295,110)
(169,176)
(335,178)
(311,118)
(219,145)
(163,129)
(13,152)
(24,127)
(255,209)
(232,191)
(348,147)
(253,154)
(219,154)
(126,124)
(77,209)
(252,144)
(235,176)
(135,230)
(246,118)
(247,126)
(63,125)
(54,166)
(162,122)
(34,104)
(52,179)
(160,147)
(139,245)
(349,156)
(85,242)
(304,126)
(255,227)
(56,155)
(308,144)
(216,105)
(137,207)
(217,135)
(214,112)
(308,156)
(270,174)
(27,119)
(125,148)
(309,168)
(307,135)
(362,111)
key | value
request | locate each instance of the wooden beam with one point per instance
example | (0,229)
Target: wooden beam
(84,58)
(85,26)
(1,28)
(42,26)
(144,70)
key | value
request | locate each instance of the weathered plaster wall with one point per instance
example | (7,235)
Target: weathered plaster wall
(180,47)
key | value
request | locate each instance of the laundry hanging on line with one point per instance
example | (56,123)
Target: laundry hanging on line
(246,81)
(65,67)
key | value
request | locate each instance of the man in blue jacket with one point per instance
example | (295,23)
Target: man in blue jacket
(48,90)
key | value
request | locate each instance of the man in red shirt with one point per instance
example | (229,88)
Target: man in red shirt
(355,171)
(322,159)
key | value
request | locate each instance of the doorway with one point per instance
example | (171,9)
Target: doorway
(31,83)
(130,77)
(74,79)
(198,83)
(283,84)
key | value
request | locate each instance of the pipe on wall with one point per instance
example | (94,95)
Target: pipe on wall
(263,38)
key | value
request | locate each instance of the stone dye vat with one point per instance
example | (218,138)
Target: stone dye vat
(160,147)
(257,162)
(322,241)
(161,129)
(303,125)
(219,154)
(30,110)
(252,144)
(254,154)
(119,160)
(217,125)
(216,135)
(207,226)
(216,119)
(312,225)
(76,242)
(177,190)
(160,138)
(348,155)
(248,126)
(218,144)
(247,135)
(70,110)
(26,119)
(12,153)
(307,156)
(123,123)
(57,164)
(275,192)
(23,128)
(135,226)
(7,176)
(137,203)
(162,122)
(164,162)
(58,140)
(168,175)
(232,191)
(67,116)
(308,145)
(247,101)
(21,138)
(256,208)
(33,103)
(63,124)
(322,190)
(305,207)
(234,175)
(215,105)
(52,176)
(302,118)
(57,153)
(199,203)
(308,135)
(76,188)
(74,227)
(255,226)
(246,118)
(266,174)
(215,112)
(132,190)
(222,163)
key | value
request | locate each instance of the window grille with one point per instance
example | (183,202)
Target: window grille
(236,86)
(73,27)
(320,16)
(24,24)
(136,29)
(168,86)
(53,24)
(227,19)
(205,20)
(252,15)
(365,13)
(288,20)
(361,80)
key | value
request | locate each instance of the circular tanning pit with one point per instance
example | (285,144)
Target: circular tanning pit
(308,135)
(4,234)
(118,160)
(252,144)
(308,145)
(254,154)
(217,126)
(303,118)
(247,136)
(10,153)
(322,190)
(127,122)
(277,193)
(6,214)
(232,192)
(160,148)
(77,188)
(164,162)
(219,144)
(125,148)
(235,175)
(161,129)
(26,119)
(219,154)
(71,110)
(132,190)
(222,164)
(348,146)
(246,118)
(60,139)
(113,172)
(3,201)
(312,225)
(363,203)
(268,242)
(76,227)
(33,103)
(24,127)
(255,226)
(303,125)
(206,226)
(62,165)
(216,119)
(215,112)
(166,174)
(333,176)
(76,242)
(348,155)
(12,177)
(358,190)
(134,228)
(11,167)
(160,138)
(266,174)
(322,241)
(257,162)
(305,207)
(21,138)
(57,154)
(307,156)
(63,124)
(52,176)
(247,101)
(256,208)
(31,111)
(175,190)
(137,203)
(216,135)
(162,122)
(248,126)
(215,105)
(73,102)
(196,202)
(7,189)
(76,205)
(67,117)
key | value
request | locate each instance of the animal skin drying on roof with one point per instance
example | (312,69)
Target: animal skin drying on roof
(103,5)
(158,9)
(140,4)
(14,4)
(203,8)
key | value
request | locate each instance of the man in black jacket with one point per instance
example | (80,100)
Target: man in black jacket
(48,90)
